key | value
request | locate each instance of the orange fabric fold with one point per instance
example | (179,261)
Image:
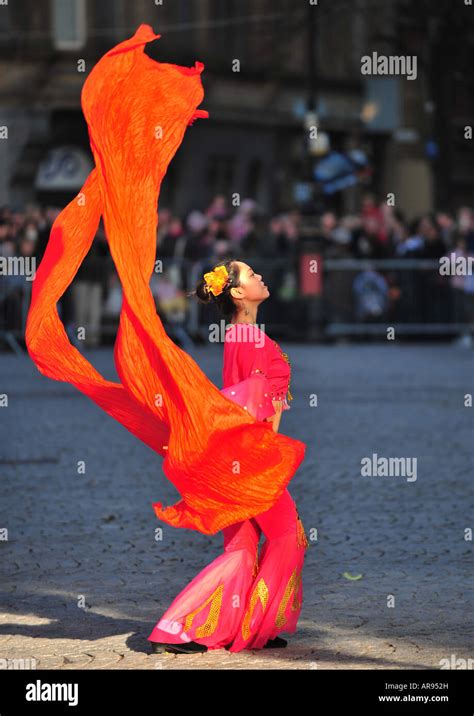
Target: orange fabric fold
(226,465)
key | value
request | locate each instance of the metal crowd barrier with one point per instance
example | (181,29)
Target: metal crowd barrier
(351,297)
(420,300)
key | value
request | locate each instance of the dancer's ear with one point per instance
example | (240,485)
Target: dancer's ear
(236,292)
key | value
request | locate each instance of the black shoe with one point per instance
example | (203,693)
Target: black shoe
(276,643)
(188,647)
(157,647)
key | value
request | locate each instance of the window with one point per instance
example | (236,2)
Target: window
(221,174)
(69,24)
(254,185)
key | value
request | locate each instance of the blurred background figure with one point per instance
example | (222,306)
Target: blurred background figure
(89,289)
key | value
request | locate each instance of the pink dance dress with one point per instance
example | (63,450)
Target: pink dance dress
(243,598)
(162,397)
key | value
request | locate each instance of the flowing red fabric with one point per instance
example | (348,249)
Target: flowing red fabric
(226,465)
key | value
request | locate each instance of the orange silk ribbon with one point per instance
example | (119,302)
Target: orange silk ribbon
(226,465)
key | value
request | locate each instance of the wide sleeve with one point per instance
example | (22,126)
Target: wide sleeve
(249,361)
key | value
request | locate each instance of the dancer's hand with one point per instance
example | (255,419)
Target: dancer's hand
(275,419)
(278,406)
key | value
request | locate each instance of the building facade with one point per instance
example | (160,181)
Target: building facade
(267,63)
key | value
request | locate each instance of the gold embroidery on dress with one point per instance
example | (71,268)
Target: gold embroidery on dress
(260,592)
(280,617)
(301,539)
(296,604)
(210,624)
(292,586)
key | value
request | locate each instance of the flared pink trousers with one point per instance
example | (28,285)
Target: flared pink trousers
(243,598)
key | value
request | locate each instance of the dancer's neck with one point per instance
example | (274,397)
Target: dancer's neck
(252,320)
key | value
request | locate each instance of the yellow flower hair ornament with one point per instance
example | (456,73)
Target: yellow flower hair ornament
(216,280)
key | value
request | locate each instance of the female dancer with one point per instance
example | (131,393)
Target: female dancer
(227,465)
(240,600)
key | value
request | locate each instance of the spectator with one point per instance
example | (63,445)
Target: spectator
(412,245)
(433,245)
(218,207)
(274,239)
(218,237)
(242,223)
(172,241)
(366,241)
(374,214)
(371,293)
(447,227)
(197,244)
(164,220)
(88,290)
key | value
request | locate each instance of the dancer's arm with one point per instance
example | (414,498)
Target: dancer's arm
(275,419)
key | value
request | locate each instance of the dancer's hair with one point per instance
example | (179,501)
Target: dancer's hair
(224,301)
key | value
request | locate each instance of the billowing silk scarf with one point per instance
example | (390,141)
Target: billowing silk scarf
(226,465)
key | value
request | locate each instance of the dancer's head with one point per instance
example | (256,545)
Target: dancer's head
(236,284)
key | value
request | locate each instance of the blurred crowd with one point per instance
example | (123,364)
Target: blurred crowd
(377,231)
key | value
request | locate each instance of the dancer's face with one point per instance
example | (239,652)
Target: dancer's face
(252,286)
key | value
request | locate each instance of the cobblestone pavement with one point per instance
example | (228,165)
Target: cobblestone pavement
(84,580)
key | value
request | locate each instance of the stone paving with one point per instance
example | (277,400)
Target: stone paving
(83,579)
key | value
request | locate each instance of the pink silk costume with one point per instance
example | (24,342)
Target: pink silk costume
(137,111)
(254,372)
(243,599)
